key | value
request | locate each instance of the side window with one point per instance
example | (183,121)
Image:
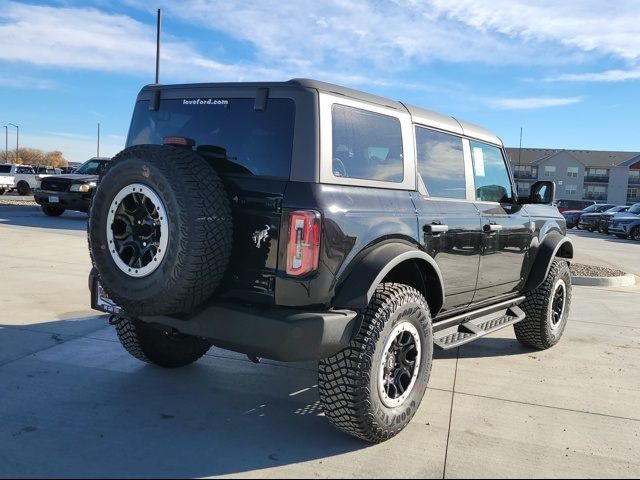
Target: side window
(492,177)
(366,145)
(441,163)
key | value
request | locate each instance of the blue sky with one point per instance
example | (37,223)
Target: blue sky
(567,72)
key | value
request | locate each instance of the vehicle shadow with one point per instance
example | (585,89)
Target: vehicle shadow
(485,348)
(32,216)
(80,404)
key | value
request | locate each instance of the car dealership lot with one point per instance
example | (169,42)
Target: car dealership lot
(73,403)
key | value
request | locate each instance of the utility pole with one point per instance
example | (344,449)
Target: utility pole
(17,139)
(158,48)
(98,155)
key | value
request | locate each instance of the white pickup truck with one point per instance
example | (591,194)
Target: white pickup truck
(24,177)
(6,183)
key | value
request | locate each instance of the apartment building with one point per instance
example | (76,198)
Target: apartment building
(612,177)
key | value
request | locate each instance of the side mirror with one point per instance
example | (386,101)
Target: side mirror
(542,192)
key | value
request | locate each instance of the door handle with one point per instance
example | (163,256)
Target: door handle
(435,229)
(491,227)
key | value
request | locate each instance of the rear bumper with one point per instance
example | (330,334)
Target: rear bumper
(68,200)
(277,333)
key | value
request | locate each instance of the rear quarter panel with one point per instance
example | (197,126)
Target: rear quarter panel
(354,219)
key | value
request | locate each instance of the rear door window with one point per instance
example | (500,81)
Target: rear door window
(441,163)
(5,168)
(230,132)
(366,145)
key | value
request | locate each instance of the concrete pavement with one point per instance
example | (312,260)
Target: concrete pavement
(73,403)
(606,250)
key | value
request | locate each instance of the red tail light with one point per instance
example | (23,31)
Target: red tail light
(303,249)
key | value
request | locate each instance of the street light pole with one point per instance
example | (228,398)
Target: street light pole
(6,143)
(98,155)
(17,139)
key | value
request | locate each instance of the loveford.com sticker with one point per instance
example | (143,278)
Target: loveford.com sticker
(205,101)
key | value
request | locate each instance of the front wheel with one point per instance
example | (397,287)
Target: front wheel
(546,309)
(373,388)
(153,345)
(52,211)
(635,234)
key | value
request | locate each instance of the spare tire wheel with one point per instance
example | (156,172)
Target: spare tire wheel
(160,230)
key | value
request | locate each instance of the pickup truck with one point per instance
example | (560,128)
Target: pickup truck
(6,183)
(24,176)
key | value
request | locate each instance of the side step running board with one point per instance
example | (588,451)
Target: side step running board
(474,326)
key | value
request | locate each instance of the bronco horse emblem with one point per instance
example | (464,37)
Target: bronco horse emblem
(261,235)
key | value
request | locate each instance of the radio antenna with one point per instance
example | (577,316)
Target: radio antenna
(158,48)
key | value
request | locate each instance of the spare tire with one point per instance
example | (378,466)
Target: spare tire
(160,230)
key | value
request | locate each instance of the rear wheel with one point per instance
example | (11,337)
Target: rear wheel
(152,345)
(2,190)
(546,309)
(373,388)
(52,211)
(635,233)
(23,188)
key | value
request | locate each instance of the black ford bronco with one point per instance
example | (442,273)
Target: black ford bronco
(305,221)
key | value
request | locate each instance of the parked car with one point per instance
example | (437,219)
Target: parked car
(599,221)
(573,216)
(24,177)
(46,170)
(306,221)
(564,205)
(623,224)
(57,193)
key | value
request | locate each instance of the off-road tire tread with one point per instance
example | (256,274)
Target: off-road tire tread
(532,331)
(343,380)
(205,248)
(141,342)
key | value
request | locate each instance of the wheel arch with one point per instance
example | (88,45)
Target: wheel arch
(391,262)
(553,245)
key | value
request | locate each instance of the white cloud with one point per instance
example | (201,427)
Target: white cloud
(610,28)
(351,36)
(85,38)
(532,103)
(609,76)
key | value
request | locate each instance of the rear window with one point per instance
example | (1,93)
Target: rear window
(5,168)
(228,132)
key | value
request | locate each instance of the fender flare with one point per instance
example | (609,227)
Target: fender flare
(553,245)
(359,285)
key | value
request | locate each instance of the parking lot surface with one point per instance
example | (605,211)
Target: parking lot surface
(73,403)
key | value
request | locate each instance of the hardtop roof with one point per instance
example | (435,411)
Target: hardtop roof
(419,115)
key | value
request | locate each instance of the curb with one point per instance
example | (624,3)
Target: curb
(627,280)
